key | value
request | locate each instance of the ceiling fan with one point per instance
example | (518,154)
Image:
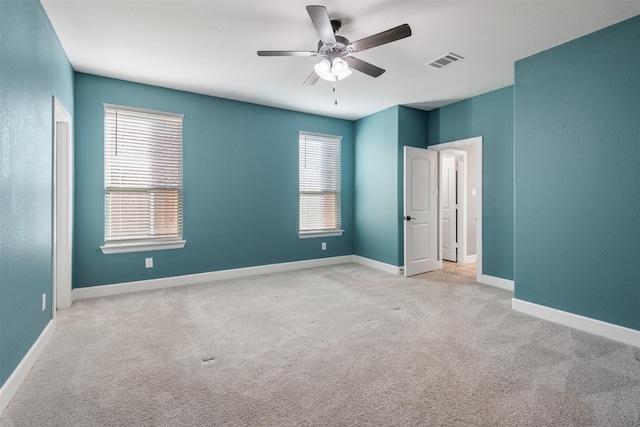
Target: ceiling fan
(336,49)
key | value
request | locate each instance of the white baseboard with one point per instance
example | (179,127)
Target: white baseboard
(587,324)
(387,268)
(14,382)
(192,279)
(470,259)
(498,282)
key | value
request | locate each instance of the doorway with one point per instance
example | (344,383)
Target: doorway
(473,205)
(468,153)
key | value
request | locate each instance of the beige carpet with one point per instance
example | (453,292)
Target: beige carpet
(337,346)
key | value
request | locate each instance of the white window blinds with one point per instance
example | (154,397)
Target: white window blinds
(319,183)
(143,175)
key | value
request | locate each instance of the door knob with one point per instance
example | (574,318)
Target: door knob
(407,218)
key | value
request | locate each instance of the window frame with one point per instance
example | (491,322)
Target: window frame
(307,234)
(149,244)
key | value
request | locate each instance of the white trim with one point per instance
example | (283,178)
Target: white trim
(477,141)
(586,324)
(470,259)
(121,248)
(333,138)
(312,234)
(497,282)
(387,268)
(14,382)
(62,208)
(192,279)
(461,194)
(142,110)
(456,144)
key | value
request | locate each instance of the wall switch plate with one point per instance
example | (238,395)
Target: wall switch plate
(148,262)
(44,302)
(324,246)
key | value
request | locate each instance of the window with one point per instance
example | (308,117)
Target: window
(319,185)
(142,180)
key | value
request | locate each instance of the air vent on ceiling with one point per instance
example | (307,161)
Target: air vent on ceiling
(446,59)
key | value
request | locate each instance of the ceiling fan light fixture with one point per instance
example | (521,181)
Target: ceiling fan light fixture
(323,69)
(340,69)
(337,69)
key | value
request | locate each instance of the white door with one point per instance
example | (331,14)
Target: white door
(449,209)
(420,210)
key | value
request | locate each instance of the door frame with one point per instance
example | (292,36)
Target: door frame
(461,216)
(477,142)
(62,208)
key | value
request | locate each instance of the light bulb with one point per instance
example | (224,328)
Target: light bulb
(323,69)
(338,66)
(340,69)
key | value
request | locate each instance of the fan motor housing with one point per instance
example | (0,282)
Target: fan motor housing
(339,49)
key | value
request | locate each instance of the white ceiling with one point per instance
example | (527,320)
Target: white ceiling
(209,47)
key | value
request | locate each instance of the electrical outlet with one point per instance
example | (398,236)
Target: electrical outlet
(324,246)
(148,262)
(44,302)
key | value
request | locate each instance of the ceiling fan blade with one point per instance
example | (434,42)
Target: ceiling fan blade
(364,67)
(286,53)
(384,37)
(312,79)
(320,19)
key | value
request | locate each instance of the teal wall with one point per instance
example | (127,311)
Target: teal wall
(240,184)
(491,116)
(376,186)
(577,176)
(33,68)
(378,204)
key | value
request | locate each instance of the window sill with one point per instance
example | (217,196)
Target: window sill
(121,248)
(312,234)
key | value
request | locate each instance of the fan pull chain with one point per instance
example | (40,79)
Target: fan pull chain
(335,90)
